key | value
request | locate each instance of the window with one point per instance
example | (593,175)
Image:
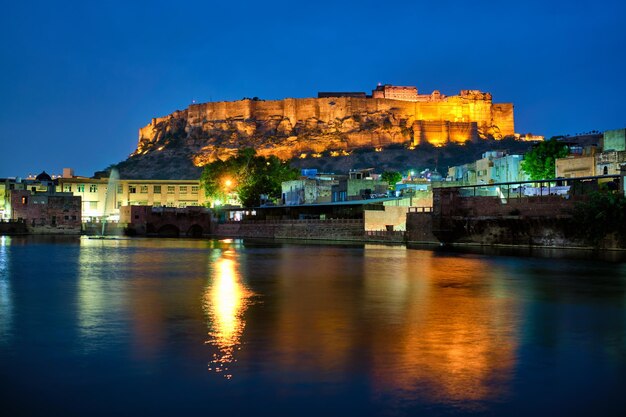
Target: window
(120,188)
(156,204)
(182,205)
(24,200)
(144,189)
(66,217)
(93,188)
(67,188)
(157,189)
(194,189)
(80,188)
(132,189)
(73,217)
(119,204)
(183,189)
(170,189)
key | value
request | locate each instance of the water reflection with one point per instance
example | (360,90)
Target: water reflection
(6,304)
(423,328)
(100,295)
(226,299)
(451,331)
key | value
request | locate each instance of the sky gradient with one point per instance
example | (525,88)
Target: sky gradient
(79,78)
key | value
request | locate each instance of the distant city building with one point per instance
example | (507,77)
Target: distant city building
(493,167)
(326,188)
(323,94)
(42,208)
(97,200)
(614,140)
(580,163)
(508,168)
(395,92)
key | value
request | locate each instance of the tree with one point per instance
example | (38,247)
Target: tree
(539,164)
(601,216)
(246,175)
(392,177)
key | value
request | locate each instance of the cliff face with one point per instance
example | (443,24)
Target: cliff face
(178,144)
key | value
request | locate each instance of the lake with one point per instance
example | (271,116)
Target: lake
(201,327)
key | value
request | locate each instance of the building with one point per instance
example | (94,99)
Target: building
(166,221)
(508,168)
(485,167)
(98,201)
(324,94)
(307,191)
(614,140)
(395,92)
(582,163)
(327,188)
(462,174)
(43,209)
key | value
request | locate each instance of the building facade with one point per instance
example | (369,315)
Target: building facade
(98,201)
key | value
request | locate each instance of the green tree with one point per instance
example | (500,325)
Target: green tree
(600,217)
(392,177)
(538,163)
(248,176)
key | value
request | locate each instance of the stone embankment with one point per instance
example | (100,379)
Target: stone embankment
(333,229)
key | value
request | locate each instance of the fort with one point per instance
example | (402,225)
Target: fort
(333,121)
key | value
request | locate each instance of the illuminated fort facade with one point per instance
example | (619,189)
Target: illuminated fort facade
(390,115)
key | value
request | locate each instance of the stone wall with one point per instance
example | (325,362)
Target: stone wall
(47,213)
(392,218)
(335,229)
(286,128)
(419,227)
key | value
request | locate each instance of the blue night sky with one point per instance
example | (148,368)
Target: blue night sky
(79,78)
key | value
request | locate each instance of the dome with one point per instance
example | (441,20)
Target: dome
(43,177)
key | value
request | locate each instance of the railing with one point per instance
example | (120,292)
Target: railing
(564,187)
(391,235)
(420,209)
(297,221)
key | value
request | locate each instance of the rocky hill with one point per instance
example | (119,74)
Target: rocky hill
(333,134)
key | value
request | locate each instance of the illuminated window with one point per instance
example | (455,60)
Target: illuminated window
(183,189)
(157,189)
(24,200)
(132,189)
(170,189)
(144,189)
(93,188)
(194,189)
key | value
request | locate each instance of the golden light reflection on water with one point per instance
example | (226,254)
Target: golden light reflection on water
(458,338)
(226,299)
(423,327)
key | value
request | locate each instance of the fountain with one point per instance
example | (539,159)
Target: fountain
(109,203)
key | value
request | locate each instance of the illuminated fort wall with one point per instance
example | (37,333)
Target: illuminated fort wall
(437,121)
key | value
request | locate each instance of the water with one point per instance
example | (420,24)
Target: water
(174,327)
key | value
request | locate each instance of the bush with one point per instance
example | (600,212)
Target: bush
(602,215)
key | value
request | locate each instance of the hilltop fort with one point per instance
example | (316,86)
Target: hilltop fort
(335,122)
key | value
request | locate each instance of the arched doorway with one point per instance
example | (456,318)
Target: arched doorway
(169,230)
(195,231)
